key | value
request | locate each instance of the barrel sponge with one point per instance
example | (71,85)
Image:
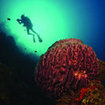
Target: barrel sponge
(67,65)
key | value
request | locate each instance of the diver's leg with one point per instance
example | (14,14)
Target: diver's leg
(31,34)
(28,31)
(37,35)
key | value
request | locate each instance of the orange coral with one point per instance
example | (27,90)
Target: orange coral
(93,95)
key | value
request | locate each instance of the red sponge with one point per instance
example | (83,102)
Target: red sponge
(67,64)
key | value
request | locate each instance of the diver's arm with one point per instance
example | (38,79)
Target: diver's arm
(19,21)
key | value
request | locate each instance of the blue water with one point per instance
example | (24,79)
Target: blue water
(85,20)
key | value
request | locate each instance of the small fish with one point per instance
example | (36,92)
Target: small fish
(35,51)
(8,19)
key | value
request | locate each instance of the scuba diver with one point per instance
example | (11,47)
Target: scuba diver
(29,26)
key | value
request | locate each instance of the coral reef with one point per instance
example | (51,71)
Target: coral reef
(67,65)
(101,70)
(93,95)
